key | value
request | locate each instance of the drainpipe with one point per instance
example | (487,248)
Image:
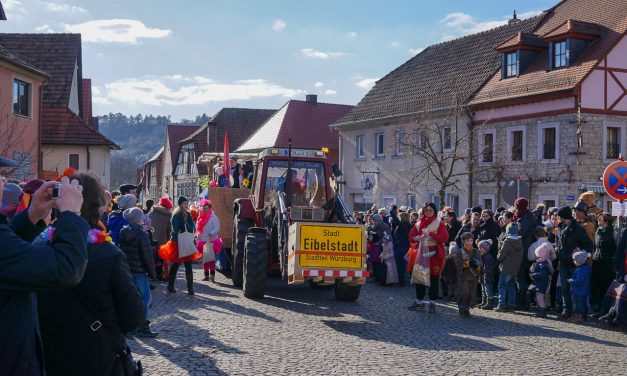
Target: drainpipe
(88,159)
(40,154)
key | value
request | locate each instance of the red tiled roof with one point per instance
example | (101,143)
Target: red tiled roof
(177,132)
(20,61)
(60,126)
(437,77)
(522,40)
(199,138)
(56,54)
(610,15)
(573,26)
(240,123)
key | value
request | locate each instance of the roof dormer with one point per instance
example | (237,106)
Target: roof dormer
(567,41)
(518,52)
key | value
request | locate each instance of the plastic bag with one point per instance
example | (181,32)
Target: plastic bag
(186,245)
(390,262)
(208,254)
(420,274)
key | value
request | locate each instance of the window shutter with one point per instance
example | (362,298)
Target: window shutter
(568,52)
(550,56)
(518,63)
(503,66)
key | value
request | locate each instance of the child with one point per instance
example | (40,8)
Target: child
(540,273)
(135,243)
(487,275)
(510,256)
(449,273)
(580,286)
(468,264)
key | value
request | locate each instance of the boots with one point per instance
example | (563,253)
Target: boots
(212,276)
(206,276)
(189,277)
(577,318)
(144,331)
(541,313)
(484,302)
(171,278)
(490,303)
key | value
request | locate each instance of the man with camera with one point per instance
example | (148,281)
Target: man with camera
(26,269)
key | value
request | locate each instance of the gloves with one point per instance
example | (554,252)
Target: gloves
(474,264)
(428,254)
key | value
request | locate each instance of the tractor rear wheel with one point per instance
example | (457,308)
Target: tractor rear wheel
(345,292)
(240,228)
(255,263)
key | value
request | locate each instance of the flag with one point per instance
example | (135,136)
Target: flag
(226,166)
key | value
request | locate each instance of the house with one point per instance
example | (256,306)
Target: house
(414,121)
(174,133)
(152,174)
(67,138)
(20,108)
(191,175)
(306,123)
(555,113)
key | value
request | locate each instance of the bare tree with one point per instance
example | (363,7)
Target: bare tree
(13,140)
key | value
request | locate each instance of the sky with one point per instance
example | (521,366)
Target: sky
(188,57)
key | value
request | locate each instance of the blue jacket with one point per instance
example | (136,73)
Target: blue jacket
(26,268)
(115,224)
(581,280)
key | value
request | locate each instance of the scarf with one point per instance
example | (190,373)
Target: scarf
(203,219)
(425,222)
(94,236)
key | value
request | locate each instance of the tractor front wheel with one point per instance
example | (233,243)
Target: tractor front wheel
(255,263)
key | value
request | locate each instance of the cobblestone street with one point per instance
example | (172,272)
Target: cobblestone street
(298,330)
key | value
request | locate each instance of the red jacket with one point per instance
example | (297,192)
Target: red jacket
(436,262)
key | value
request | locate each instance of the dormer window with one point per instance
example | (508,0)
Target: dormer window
(512,67)
(560,54)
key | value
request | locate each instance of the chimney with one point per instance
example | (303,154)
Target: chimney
(95,122)
(312,99)
(86,115)
(514,19)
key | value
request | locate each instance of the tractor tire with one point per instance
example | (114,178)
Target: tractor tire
(319,286)
(255,263)
(240,229)
(346,293)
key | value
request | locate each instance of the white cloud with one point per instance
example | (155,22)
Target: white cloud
(395,44)
(11,5)
(415,51)
(459,23)
(352,34)
(278,25)
(44,29)
(115,31)
(14,9)
(330,92)
(365,82)
(318,84)
(158,91)
(63,8)
(317,54)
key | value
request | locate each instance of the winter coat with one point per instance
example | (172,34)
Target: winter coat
(179,224)
(604,254)
(490,230)
(510,255)
(580,284)
(135,243)
(160,220)
(466,272)
(590,228)
(531,252)
(540,273)
(27,268)
(437,240)
(568,238)
(489,268)
(211,230)
(381,230)
(466,228)
(528,224)
(620,258)
(453,230)
(110,296)
(115,224)
(449,272)
(400,232)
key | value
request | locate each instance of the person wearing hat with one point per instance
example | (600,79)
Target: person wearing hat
(590,200)
(135,243)
(208,232)
(582,218)
(128,189)
(570,238)
(160,216)
(527,226)
(182,222)
(510,256)
(580,285)
(380,231)
(116,218)
(11,195)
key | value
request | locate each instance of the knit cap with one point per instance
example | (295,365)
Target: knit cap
(165,202)
(580,257)
(133,215)
(376,218)
(127,201)
(181,200)
(11,194)
(485,244)
(521,203)
(512,229)
(565,213)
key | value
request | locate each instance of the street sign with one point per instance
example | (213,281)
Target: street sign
(619,209)
(570,197)
(615,180)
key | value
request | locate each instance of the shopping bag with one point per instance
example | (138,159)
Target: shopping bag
(186,245)
(208,254)
(420,274)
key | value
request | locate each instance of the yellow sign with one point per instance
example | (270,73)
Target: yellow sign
(331,247)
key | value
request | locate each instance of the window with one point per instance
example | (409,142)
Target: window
(548,142)
(511,62)
(410,200)
(360,146)
(487,201)
(22,171)
(516,144)
(379,150)
(559,55)
(424,140)
(73,161)
(400,142)
(447,142)
(21,98)
(549,201)
(487,154)
(612,145)
(387,201)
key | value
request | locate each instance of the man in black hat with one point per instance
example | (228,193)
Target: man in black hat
(570,237)
(128,189)
(581,215)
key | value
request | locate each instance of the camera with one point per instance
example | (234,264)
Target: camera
(56,191)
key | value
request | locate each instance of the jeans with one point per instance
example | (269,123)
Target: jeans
(487,290)
(567,302)
(401,264)
(141,281)
(507,289)
(581,305)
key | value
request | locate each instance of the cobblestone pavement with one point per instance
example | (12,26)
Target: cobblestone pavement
(298,330)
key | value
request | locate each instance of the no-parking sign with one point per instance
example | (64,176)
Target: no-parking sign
(615,180)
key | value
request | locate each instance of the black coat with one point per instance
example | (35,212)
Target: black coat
(604,253)
(135,243)
(490,230)
(453,230)
(466,228)
(108,291)
(400,233)
(619,257)
(26,268)
(568,238)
